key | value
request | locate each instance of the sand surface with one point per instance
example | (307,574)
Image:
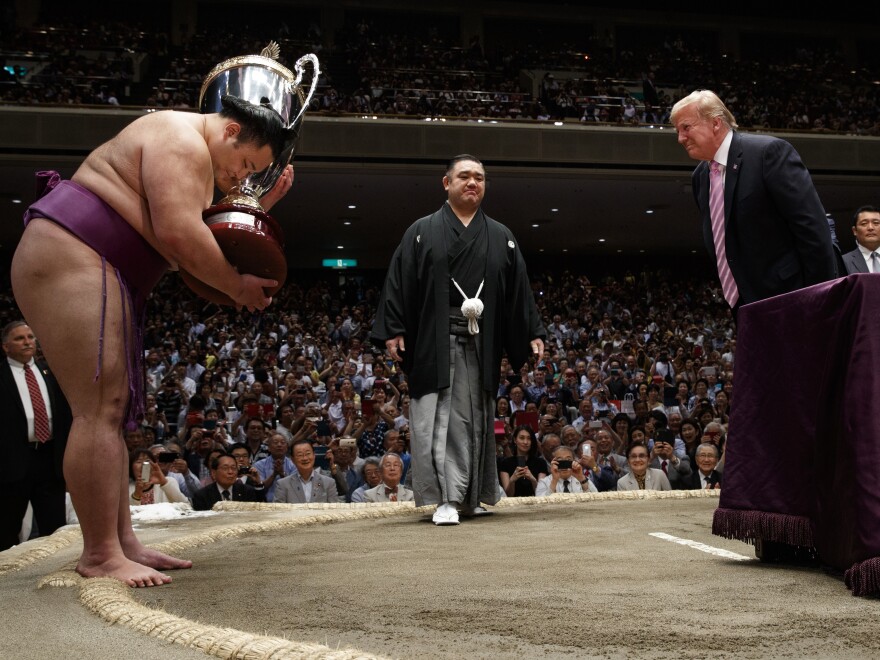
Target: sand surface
(572,580)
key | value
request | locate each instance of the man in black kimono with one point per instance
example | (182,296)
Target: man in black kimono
(456,299)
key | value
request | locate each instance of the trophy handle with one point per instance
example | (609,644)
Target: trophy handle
(298,67)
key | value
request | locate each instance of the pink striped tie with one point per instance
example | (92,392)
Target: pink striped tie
(41,417)
(716,213)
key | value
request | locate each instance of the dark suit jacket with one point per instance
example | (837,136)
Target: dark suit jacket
(855,262)
(17,451)
(693,482)
(205,498)
(776,234)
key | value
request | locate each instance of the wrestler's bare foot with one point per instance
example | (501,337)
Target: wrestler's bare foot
(123,569)
(155,559)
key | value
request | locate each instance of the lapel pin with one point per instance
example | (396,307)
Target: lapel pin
(510,244)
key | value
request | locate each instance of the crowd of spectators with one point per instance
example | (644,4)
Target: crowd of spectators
(425,74)
(297,396)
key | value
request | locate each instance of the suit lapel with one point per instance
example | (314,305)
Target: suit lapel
(7,383)
(731,176)
(857,260)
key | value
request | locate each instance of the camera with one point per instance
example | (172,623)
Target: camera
(244,470)
(168,456)
(521,461)
(563,465)
(146,469)
(595,424)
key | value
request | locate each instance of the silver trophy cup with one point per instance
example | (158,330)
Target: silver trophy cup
(250,238)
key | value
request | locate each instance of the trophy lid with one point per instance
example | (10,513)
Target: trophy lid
(259,79)
(262,80)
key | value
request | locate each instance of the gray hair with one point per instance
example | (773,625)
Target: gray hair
(371,460)
(565,448)
(8,328)
(711,446)
(709,106)
(386,455)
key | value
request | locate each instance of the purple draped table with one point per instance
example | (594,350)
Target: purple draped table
(802,461)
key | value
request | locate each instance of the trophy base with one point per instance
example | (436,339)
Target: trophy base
(251,240)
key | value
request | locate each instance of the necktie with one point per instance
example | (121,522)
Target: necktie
(226,495)
(663,466)
(41,417)
(391,493)
(716,213)
(565,486)
(875,262)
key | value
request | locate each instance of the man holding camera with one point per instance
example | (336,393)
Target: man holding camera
(226,486)
(566,475)
(616,382)
(663,457)
(602,407)
(175,467)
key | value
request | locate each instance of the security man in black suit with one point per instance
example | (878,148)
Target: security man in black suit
(32,464)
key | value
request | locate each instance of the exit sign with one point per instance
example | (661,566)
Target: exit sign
(340,263)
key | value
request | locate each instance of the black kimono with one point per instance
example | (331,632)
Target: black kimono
(452,380)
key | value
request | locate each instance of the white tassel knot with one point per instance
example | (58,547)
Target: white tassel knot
(472,308)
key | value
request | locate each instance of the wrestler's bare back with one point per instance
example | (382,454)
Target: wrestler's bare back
(115,170)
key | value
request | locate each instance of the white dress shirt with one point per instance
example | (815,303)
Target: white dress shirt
(25,395)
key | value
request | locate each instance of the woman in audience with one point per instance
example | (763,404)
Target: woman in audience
(640,476)
(156,487)
(722,408)
(691,432)
(519,474)
(502,409)
(622,425)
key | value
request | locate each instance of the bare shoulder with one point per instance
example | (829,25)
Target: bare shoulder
(173,132)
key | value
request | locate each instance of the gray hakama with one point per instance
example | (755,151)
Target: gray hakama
(455,471)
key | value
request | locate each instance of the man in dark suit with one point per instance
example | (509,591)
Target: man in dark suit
(866,229)
(33,438)
(765,226)
(226,486)
(706,476)
(677,469)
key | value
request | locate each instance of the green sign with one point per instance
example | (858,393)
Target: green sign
(340,263)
